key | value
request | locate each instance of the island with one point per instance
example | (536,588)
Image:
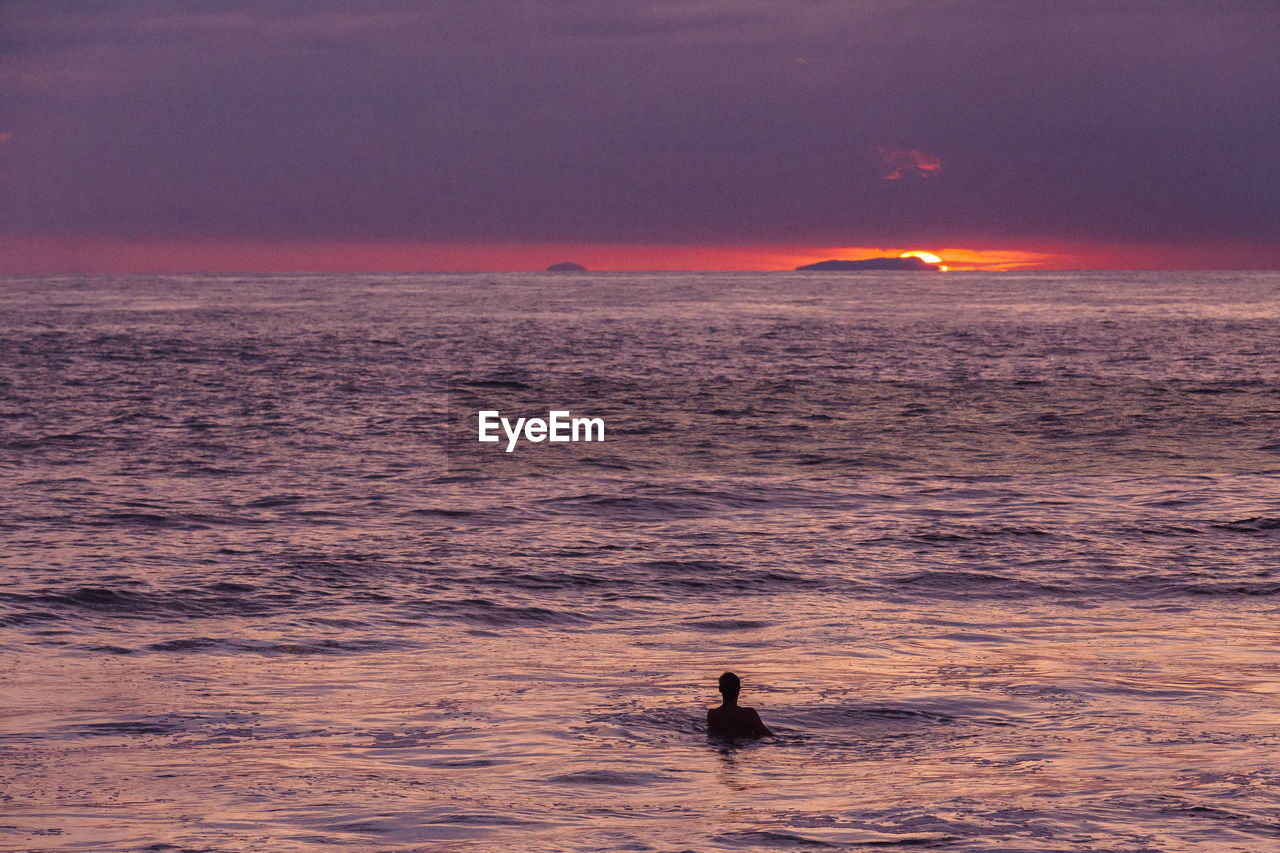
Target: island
(566,267)
(909,264)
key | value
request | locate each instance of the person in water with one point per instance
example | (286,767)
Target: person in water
(731,719)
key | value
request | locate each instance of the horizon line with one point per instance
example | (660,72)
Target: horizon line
(619,271)
(69,254)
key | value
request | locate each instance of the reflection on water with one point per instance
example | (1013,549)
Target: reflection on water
(245,606)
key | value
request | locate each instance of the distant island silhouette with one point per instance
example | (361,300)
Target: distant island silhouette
(910,263)
(566,267)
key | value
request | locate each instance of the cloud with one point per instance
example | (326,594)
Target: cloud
(898,162)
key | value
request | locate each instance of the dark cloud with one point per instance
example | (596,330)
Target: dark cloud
(663,121)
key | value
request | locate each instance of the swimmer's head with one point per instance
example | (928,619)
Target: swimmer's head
(730,686)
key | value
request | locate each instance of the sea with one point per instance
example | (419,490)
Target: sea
(996,556)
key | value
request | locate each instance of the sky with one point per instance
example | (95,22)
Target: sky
(637,134)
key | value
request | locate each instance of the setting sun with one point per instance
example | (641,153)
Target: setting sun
(924,256)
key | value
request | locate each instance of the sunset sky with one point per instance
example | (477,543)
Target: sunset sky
(683,134)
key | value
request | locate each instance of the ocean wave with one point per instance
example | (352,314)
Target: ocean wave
(269,648)
(1256,524)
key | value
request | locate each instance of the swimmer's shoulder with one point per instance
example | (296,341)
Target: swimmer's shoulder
(758,728)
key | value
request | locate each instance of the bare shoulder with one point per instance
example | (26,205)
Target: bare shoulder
(758,728)
(736,722)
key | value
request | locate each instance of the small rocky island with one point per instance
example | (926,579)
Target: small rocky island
(910,264)
(566,267)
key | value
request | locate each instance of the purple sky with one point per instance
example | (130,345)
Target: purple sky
(1000,122)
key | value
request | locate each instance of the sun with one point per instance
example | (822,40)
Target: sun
(927,257)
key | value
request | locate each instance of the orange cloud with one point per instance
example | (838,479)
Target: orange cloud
(899,163)
(69,253)
(952,259)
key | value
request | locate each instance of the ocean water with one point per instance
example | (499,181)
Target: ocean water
(996,555)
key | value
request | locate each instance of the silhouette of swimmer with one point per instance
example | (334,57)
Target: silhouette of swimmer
(731,719)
